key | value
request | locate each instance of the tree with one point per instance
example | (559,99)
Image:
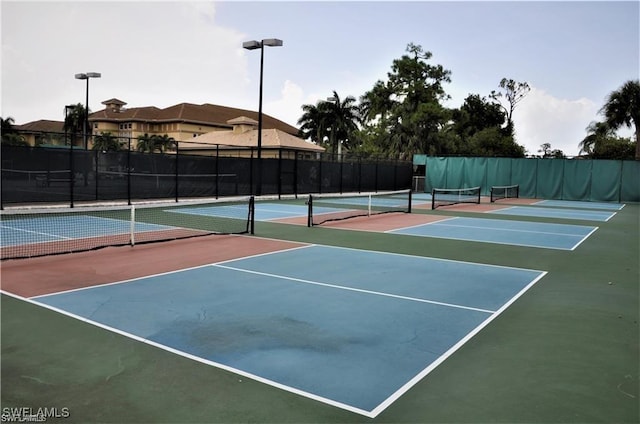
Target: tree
(597,132)
(312,122)
(145,143)
(407,107)
(336,120)
(153,143)
(623,108)
(106,142)
(601,142)
(164,143)
(476,114)
(74,122)
(547,152)
(341,118)
(9,134)
(7,125)
(514,92)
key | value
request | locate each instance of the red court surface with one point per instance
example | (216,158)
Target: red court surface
(51,274)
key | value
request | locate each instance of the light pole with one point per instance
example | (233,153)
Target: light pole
(87,76)
(334,100)
(67,108)
(253,45)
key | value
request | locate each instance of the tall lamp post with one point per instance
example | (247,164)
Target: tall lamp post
(87,76)
(253,45)
(67,108)
(334,100)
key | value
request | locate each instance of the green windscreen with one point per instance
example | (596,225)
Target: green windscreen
(568,179)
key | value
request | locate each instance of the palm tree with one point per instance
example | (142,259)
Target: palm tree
(7,125)
(342,118)
(312,122)
(623,108)
(9,134)
(596,132)
(336,119)
(74,121)
(145,143)
(106,142)
(163,143)
(153,143)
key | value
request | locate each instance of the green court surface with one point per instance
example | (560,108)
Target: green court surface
(565,351)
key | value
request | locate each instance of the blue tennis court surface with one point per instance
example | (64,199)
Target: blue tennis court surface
(580,205)
(32,230)
(355,329)
(264,211)
(519,233)
(562,213)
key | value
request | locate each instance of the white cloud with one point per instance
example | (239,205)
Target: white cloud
(542,118)
(171,54)
(288,107)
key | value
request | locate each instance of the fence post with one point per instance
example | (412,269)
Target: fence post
(71,174)
(217,170)
(177,173)
(376,178)
(279,173)
(295,174)
(320,174)
(96,175)
(129,173)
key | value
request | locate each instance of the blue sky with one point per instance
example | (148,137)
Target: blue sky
(571,53)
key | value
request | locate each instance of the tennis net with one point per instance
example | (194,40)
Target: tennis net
(335,207)
(451,196)
(505,192)
(39,232)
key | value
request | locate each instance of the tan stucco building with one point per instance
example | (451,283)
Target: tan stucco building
(207,128)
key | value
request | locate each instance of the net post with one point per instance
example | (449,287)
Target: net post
(479,190)
(369,207)
(310,211)
(252,215)
(409,208)
(132,228)
(433,198)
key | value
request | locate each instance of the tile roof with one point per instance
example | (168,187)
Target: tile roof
(209,114)
(271,139)
(42,125)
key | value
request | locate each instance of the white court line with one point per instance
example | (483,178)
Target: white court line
(370,414)
(511,230)
(584,238)
(402,390)
(166,273)
(40,233)
(420,225)
(335,286)
(197,358)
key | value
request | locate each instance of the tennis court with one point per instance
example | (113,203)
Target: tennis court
(51,229)
(517,233)
(298,324)
(580,204)
(344,336)
(562,213)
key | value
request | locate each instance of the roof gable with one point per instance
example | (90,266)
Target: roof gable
(209,114)
(271,139)
(42,125)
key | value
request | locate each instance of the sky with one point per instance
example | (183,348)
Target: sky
(572,54)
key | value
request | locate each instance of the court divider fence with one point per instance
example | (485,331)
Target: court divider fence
(61,174)
(562,179)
